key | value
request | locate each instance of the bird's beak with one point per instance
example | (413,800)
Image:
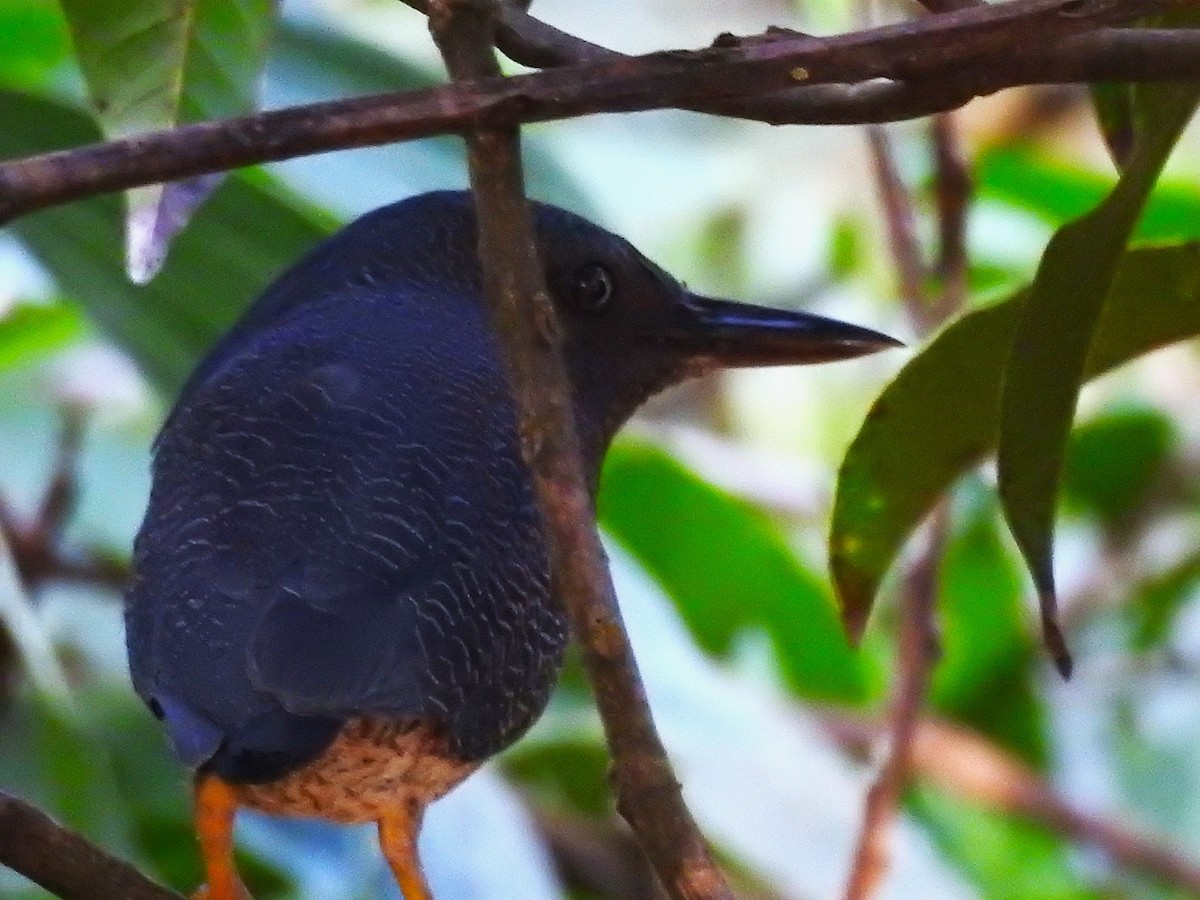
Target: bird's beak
(723,333)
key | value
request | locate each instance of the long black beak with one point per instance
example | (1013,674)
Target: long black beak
(738,334)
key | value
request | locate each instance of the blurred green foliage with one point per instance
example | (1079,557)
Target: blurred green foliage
(762,623)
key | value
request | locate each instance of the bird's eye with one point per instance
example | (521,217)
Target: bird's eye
(593,287)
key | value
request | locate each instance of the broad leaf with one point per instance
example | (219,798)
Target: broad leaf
(941,414)
(985,844)
(1046,367)
(152,64)
(217,267)
(1058,192)
(727,569)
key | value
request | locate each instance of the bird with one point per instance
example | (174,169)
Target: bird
(341,601)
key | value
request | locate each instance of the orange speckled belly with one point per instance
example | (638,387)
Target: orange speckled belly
(373,765)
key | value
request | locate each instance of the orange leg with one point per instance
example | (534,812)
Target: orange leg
(398,830)
(216,804)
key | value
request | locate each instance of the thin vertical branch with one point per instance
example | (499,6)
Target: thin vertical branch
(918,650)
(952,187)
(900,221)
(521,310)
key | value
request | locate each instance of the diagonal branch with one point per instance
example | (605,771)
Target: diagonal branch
(65,863)
(522,313)
(897,71)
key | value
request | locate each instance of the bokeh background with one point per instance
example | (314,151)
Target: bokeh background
(715,501)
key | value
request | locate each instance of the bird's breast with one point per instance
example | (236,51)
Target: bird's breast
(374,765)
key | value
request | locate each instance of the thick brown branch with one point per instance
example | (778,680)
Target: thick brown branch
(935,63)
(523,315)
(64,863)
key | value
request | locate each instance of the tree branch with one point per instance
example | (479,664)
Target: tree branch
(65,863)
(918,652)
(972,768)
(524,317)
(935,63)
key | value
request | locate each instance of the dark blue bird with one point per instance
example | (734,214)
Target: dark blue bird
(341,603)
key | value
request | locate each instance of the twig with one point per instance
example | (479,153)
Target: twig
(647,793)
(37,545)
(918,651)
(918,635)
(935,63)
(900,220)
(971,767)
(65,863)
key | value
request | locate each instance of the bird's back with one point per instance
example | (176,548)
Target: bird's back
(341,525)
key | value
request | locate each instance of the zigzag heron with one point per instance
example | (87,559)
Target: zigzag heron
(342,601)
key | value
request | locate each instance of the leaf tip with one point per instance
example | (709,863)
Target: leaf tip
(1052,635)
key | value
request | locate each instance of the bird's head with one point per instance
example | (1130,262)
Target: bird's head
(631,329)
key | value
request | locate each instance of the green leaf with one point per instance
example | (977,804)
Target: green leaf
(1046,367)
(1006,858)
(1058,192)
(1113,103)
(1114,459)
(941,414)
(30,330)
(728,569)
(1156,601)
(984,676)
(152,64)
(34,44)
(217,267)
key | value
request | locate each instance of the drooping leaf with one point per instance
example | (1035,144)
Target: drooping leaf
(152,64)
(727,569)
(1046,367)
(1113,102)
(29,330)
(984,677)
(941,414)
(216,268)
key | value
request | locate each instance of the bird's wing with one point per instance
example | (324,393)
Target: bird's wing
(339,524)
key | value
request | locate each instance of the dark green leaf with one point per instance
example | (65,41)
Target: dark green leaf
(1046,367)
(1113,460)
(728,569)
(1113,102)
(941,414)
(216,268)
